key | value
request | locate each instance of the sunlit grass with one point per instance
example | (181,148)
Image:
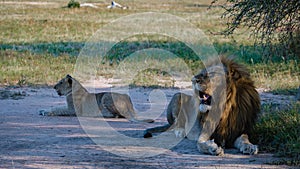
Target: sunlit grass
(282,77)
(18,68)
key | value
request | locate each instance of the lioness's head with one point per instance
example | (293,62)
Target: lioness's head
(64,86)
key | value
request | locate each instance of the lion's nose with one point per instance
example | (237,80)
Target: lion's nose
(193,79)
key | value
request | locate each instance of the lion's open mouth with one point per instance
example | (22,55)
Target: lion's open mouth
(202,95)
(205,98)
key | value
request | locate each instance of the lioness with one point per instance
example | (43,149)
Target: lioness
(110,104)
(230,117)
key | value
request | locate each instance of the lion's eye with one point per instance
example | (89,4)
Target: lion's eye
(204,76)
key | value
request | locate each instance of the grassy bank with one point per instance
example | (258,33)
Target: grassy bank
(278,132)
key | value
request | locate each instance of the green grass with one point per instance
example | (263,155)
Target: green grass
(278,132)
(279,77)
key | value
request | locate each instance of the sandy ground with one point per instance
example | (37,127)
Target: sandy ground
(28,140)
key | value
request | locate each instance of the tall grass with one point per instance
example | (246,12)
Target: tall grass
(279,132)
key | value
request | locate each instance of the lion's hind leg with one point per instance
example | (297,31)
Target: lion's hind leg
(243,144)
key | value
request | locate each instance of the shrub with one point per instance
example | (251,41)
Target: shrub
(73,4)
(272,22)
(279,132)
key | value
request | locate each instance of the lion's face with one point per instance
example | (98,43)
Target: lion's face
(201,82)
(208,79)
(64,86)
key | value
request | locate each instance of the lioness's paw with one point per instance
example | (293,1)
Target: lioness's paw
(249,149)
(179,132)
(210,147)
(44,113)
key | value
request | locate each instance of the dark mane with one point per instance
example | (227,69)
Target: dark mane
(242,104)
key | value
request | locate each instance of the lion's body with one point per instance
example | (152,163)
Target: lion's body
(234,109)
(181,116)
(109,104)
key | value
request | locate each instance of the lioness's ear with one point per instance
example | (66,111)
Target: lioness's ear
(69,76)
(69,79)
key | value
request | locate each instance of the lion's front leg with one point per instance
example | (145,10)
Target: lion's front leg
(210,147)
(243,144)
(209,124)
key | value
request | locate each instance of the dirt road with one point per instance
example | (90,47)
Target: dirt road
(28,140)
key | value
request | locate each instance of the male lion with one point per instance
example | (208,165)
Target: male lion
(228,121)
(110,104)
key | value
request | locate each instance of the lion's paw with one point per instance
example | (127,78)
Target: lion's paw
(210,147)
(249,149)
(179,132)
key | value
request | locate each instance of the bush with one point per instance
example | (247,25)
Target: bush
(272,22)
(73,4)
(279,132)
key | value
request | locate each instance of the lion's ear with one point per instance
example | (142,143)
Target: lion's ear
(235,74)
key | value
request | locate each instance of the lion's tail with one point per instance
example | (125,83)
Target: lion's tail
(159,129)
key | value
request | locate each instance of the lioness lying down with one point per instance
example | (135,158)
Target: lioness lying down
(224,124)
(110,104)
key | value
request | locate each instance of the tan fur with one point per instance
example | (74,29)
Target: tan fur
(79,100)
(233,111)
(183,117)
